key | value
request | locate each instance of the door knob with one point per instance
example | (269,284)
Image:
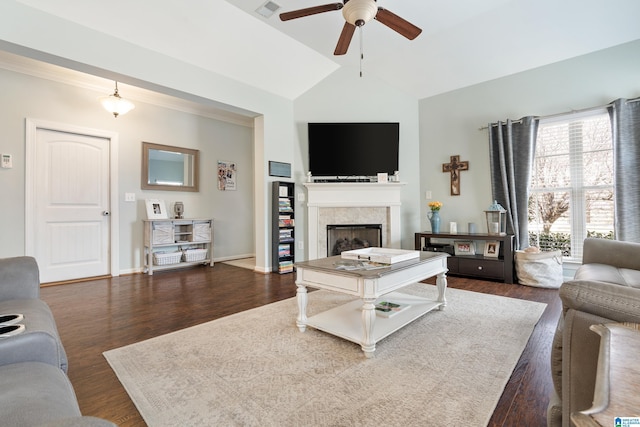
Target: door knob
(106,213)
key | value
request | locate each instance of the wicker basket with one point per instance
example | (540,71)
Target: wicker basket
(195,255)
(161,258)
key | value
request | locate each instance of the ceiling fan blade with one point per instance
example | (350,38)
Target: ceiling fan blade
(310,11)
(345,39)
(397,24)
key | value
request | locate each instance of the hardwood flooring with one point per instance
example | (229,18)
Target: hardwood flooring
(103,314)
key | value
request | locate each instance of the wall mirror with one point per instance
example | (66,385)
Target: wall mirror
(169,168)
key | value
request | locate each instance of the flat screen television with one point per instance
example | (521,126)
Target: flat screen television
(353,149)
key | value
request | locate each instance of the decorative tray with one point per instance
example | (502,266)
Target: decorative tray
(381,255)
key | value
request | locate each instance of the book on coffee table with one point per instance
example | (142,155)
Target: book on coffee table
(390,309)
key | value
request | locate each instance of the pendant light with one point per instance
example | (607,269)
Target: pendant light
(115,104)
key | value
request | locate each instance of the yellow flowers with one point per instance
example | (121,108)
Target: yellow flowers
(435,206)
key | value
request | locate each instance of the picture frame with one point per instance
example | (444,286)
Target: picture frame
(492,248)
(279,169)
(156,209)
(227,173)
(464,247)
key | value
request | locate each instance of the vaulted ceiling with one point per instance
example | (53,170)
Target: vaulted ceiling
(463,42)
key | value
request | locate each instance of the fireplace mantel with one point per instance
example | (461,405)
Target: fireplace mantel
(353,195)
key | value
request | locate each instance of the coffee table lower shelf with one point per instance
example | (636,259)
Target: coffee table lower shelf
(345,321)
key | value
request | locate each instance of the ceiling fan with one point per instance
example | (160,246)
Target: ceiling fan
(357,13)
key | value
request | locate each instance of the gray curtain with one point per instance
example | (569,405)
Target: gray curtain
(625,124)
(512,147)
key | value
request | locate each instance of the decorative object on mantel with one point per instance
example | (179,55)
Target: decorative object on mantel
(178,210)
(226,175)
(496,219)
(454,167)
(434,216)
(115,104)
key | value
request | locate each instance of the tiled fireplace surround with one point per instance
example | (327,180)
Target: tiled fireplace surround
(352,203)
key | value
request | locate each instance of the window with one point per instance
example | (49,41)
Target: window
(572,182)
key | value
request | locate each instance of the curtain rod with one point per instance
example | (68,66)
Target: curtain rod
(550,116)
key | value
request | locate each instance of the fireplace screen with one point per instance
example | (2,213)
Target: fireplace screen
(342,238)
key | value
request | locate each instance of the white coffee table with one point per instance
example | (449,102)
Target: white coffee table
(356,321)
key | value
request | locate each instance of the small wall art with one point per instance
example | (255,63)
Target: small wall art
(453,168)
(279,169)
(226,175)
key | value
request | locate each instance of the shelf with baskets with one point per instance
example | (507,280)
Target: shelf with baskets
(177,243)
(283,239)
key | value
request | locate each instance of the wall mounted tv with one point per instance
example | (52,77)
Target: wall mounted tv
(353,149)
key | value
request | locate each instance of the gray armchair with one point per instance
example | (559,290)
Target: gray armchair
(606,289)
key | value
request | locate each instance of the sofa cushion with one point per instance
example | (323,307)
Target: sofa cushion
(34,393)
(40,342)
(609,274)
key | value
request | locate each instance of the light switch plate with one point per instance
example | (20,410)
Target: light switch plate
(129,197)
(7,161)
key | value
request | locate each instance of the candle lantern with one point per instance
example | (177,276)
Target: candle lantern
(178,210)
(496,219)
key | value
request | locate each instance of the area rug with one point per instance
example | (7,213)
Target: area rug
(256,369)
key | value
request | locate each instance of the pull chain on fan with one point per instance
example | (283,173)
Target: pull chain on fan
(361,49)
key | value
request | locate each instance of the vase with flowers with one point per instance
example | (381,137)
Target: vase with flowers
(434,216)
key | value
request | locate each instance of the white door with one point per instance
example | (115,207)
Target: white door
(71,205)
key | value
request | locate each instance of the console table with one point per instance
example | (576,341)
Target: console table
(356,321)
(176,243)
(618,378)
(500,268)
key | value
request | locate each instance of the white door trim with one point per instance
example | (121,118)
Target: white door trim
(32,125)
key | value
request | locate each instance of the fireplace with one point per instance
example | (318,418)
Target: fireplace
(346,237)
(352,204)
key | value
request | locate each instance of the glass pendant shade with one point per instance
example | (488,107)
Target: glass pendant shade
(115,104)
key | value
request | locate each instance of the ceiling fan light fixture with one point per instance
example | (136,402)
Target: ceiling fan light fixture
(115,104)
(359,12)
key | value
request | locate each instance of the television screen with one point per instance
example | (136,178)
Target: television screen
(353,149)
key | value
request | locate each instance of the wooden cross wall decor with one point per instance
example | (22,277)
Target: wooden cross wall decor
(454,167)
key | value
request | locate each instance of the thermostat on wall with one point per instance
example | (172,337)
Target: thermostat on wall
(7,161)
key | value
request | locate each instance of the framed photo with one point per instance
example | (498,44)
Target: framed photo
(464,247)
(492,248)
(279,169)
(227,172)
(156,209)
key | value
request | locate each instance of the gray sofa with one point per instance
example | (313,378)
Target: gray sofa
(34,387)
(605,289)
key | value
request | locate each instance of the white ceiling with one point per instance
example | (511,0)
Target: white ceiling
(464,42)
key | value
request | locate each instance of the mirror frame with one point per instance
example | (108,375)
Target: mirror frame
(146,146)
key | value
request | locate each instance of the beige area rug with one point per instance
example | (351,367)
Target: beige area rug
(256,369)
(249,263)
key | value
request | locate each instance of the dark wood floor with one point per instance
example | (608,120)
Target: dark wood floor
(104,314)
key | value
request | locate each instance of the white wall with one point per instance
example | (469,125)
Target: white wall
(32,97)
(346,97)
(449,123)
(31,33)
